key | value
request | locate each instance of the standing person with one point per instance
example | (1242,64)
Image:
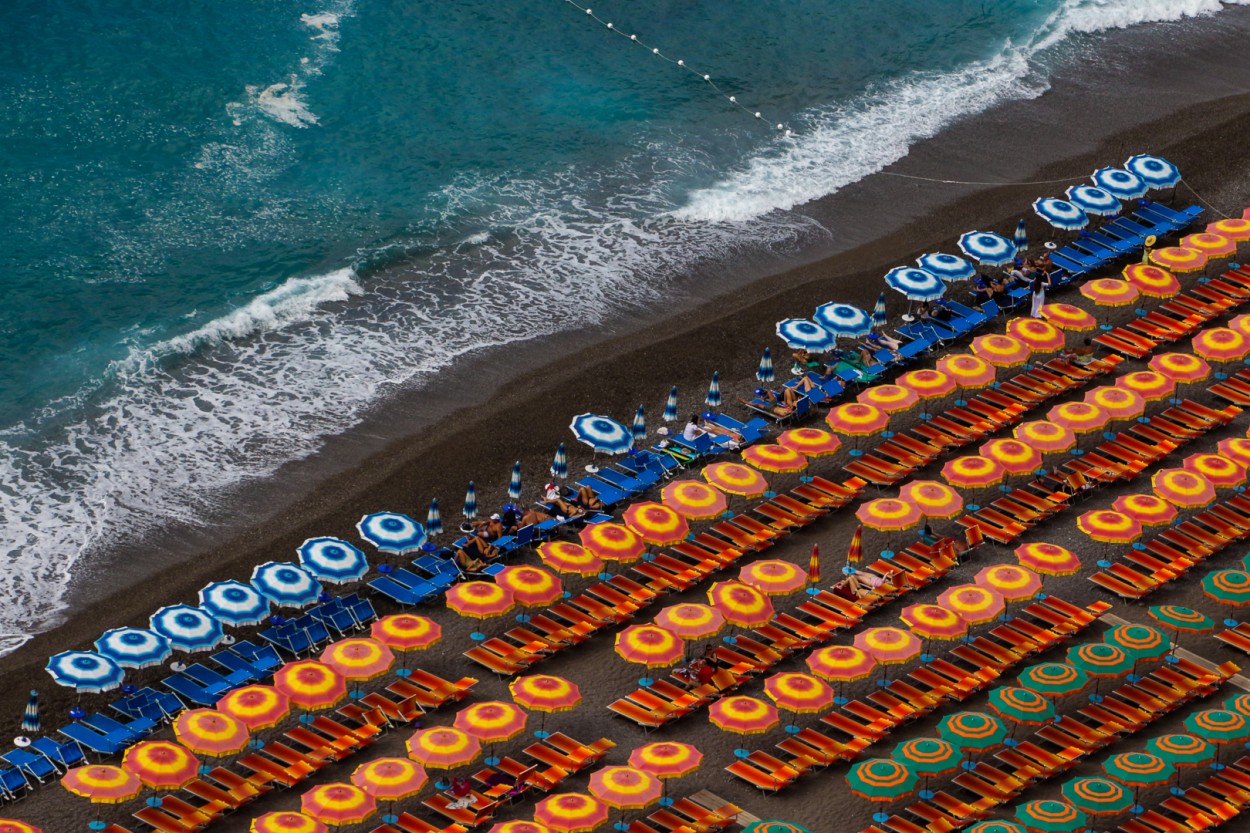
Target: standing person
(1038,287)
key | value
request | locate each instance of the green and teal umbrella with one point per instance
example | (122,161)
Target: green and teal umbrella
(1055,679)
(881,779)
(1099,659)
(927,756)
(1051,817)
(995,827)
(774,827)
(1181,619)
(1140,641)
(1021,705)
(1181,749)
(1231,587)
(1138,769)
(1239,703)
(1097,796)
(1218,726)
(972,731)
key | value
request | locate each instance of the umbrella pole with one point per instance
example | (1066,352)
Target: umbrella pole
(541,734)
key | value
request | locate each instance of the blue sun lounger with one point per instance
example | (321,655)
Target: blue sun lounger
(405,596)
(235,664)
(624,482)
(1089,262)
(263,657)
(32,766)
(1168,222)
(1105,244)
(1184,215)
(136,729)
(606,492)
(100,743)
(149,703)
(13,784)
(1128,227)
(751,431)
(62,755)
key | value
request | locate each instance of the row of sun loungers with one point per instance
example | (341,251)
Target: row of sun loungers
(1181,316)
(1214,801)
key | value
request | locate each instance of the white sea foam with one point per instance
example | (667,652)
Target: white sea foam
(284,102)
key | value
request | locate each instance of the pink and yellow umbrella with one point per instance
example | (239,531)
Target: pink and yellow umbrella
(406,632)
(735,479)
(15,826)
(774,457)
(1119,403)
(520,826)
(1179,258)
(973,471)
(1109,527)
(933,499)
(841,663)
(545,693)
(1149,510)
(741,604)
(691,620)
(210,732)
(256,706)
(1221,471)
(1236,449)
(855,419)
(338,804)
(358,658)
(695,500)
(480,599)
(570,812)
(649,645)
(390,779)
(1001,350)
(530,586)
(1151,280)
(1110,292)
(1068,317)
(1047,559)
(933,622)
(810,442)
(625,788)
(1221,344)
(309,684)
(491,721)
(773,576)
(1234,228)
(798,693)
(1183,488)
(974,604)
(102,784)
(613,542)
(1045,436)
(1080,417)
(888,645)
(1147,384)
(888,398)
(443,747)
(160,764)
(1040,336)
(1180,367)
(666,759)
(888,514)
(656,523)
(1014,456)
(744,715)
(1210,244)
(1013,583)
(1241,324)
(928,384)
(968,370)
(568,557)
(285,821)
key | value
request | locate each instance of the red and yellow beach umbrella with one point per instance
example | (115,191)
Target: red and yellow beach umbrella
(520,826)
(933,622)
(1013,583)
(691,620)
(773,576)
(571,812)
(1001,350)
(694,499)
(1068,317)
(656,523)
(1180,367)
(888,514)
(1080,417)
(545,693)
(480,599)
(568,557)
(210,732)
(1014,456)
(888,645)
(1110,292)
(1179,258)
(256,706)
(933,499)
(358,658)
(810,442)
(160,764)
(856,419)
(928,384)
(1241,324)
(1152,281)
(1222,344)
(666,759)
(613,542)
(1147,384)
(1210,244)
(1040,336)
(774,457)
(1048,559)
(102,784)
(741,604)
(888,398)
(798,693)
(974,603)
(625,788)
(1183,488)
(841,663)
(1045,436)
(744,715)
(390,779)
(973,471)
(1234,228)
(443,747)
(1236,449)
(15,826)
(492,721)
(735,479)
(1148,510)
(338,804)
(968,370)
(1120,403)
(650,645)
(530,586)
(285,821)
(309,684)
(1221,471)
(406,632)
(1109,527)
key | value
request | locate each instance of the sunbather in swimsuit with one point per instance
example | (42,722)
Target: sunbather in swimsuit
(783,407)
(476,553)
(803,360)
(534,516)
(564,507)
(587,498)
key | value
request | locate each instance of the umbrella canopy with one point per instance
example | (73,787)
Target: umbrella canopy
(30,716)
(987,248)
(1218,726)
(234,603)
(915,284)
(928,384)
(1119,403)
(810,442)
(443,747)
(841,663)
(735,479)
(133,647)
(1021,705)
(470,502)
(887,513)
(434,519)
(1068,317)
(570,812)
(1231,587)
(15,826)
(567,557)
(764,373)
(1096,796)
(693,499)
(888,646)
(973,471)
(741,604)
(670,407)
(286,584)
(1210,244)
(390,779)
(666,759)
(392,532)
(1138,769)
(1094,200)
(160,764)
(601,433)
(1011,582)
(801,334)
(967,370)
(338,804)
(1138,641)
(773,576)
(1221,344)
(995,827)
(1121,183)
(888,398)
(480,599)
(650,645)
(774,457)
(933,622)
(1038,335)
(1100,659)
(1051,817)
(1180,618)
(1109,527)
(1221,471)
(210,732)
(560,462)
(1053,679)
(798,693)
(972,731)
(1180,367)
(1014,456)
(358,658)
(625,787)
(309,684)
(545,693)
(712,400)
(743,715)
(879,318)
(287,822)
(1147,384)
(1179,259)
(187,628)
(843,320)
(947,267)
(406,631)
(1239,703)
(1155,171)
(1152,281)
(613,542)
(973,603)
(1236,449)
(1234,228)
(492,721)
(530,586)
(514,481)
(1183,487)
(1061,213)
(1045,436)
(881,779)
(927,756)
(255,706)
(1001,350)
(933,499)
(855,419)
(1110,292)
(1181,750)
(1080,417)
(333,560)
(102,784)
(1048,559)
(1021,238)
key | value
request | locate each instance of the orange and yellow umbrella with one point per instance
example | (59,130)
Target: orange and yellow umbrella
(390,779)
(1001,350)
(1110,292)
(1109,527)
(1080,417)
(735,479)
(338,804)
(1147,384)
(666,759)
(285,821)
(650,645)
(443,747)
(102,784)
(888,398)
(480,599)
(933,499)
(358,658)
(1119,403)
(1221,344)
(160,764)
(492,721)
(888,646)
(1149,510)
(887,514)
(568,557)
(1045,436)
(1040,336)
(973,471)
(256,706)
(1047,559)
(15,826)
(1241,324)
(1221,471)
(774,457)
(841,663)
(1236,449)
(625,788)
(1068,317)
(744,715)
(933,622)
(520,826)
(798,693)
(1013,583)
(570,812)
(1014,456)
(968,370)
(691,620)
(856,419)
(695,500)
(741,604)
(309,684)
(1234,228)
(1179,258)
(773,576)
(1151,280)
(530,586)
(545,693)
(1183,488)
(613,542)
(210,732)
(406,631)
(1210,244)
(928,384)
(810,442)
(656,523)
(1180,367)
(973,603)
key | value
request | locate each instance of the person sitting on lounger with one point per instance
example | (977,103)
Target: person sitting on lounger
(492,529)
(476,553)
(803,361)
(700,425)
(563,507)
(1084,354)
(781,407)
(534,516)
(462,791)
(807,384)
(927,536)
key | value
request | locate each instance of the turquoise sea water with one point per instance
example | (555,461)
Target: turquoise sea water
(228,229)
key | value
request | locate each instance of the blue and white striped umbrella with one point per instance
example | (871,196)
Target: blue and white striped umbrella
(988,248)
(469,510)
(639,427)
(670,405)
(879,319)
(602,433)
(187,628)
(134,647)
(1092,200)
(763,373)
(843,320)
(1021,237)
(333,560)
(712,400)
(947,267)
(30,718)
(391,532)
(560,463)
(1155,171)
(802,334)
(915,284)
(433,520)
(514,483)
(234,602)
(287,584)
(1061,213)
(1120,182)
(85,672)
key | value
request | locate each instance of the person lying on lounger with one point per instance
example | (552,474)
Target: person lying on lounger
(803,361)
(697,427)
(587,499)
(858,585)
(807,384)
(476,553)
(876,341)
(562,506)
(781,407)
(534,516)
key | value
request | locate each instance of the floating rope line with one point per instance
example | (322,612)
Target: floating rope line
(1202,200)
(611,27)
